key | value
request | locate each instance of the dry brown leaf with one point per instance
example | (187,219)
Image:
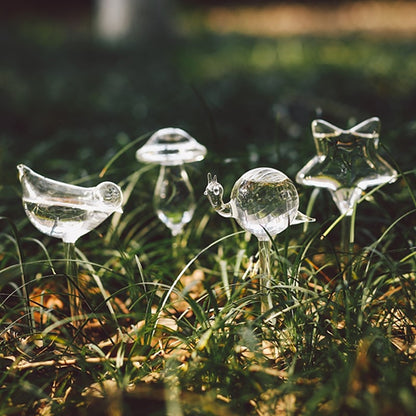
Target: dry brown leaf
(48,297)
(270,404)
(193,286)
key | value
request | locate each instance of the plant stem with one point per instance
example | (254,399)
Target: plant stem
(71,270)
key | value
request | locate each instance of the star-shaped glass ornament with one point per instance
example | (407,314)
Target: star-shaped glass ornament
(347,162)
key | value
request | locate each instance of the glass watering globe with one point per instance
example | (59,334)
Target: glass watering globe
(264,202)
(347,163)
(67,212)
(174,199)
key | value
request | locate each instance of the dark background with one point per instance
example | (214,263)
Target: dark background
(70,101)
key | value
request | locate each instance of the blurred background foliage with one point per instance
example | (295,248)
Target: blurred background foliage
(70,100)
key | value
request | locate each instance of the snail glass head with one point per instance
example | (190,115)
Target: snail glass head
(66,211)
(174,200)
(264,201)
(347,162)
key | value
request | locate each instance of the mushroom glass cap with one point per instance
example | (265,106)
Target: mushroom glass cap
(171,146)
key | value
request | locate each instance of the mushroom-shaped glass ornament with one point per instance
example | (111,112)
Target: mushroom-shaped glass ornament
(174,199)
(347,163)
(264,201)
(67,212)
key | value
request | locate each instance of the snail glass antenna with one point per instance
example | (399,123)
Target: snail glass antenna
(67,212)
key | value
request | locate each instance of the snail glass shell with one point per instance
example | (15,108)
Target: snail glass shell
(265,202)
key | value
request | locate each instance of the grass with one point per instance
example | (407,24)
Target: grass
(186,335)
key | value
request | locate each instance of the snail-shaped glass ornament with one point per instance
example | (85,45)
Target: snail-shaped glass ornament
(174,199)
(264,202)
(67,212)
(347,162)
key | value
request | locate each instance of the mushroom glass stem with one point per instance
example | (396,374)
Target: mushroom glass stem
(174,199)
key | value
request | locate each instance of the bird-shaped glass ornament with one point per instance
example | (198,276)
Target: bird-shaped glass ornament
(264,202)
(63,210)
(67,212)
(347,162)
(174,199)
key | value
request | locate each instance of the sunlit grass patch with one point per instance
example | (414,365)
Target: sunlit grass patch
(185,334)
